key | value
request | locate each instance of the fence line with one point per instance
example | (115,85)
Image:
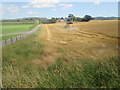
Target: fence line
(14,39)
(11,40)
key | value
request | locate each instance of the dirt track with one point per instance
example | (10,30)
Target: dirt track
(74,43)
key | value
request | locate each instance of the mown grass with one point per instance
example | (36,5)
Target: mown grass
(20,72)
(15,28)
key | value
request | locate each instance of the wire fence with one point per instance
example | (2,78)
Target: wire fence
(14,39)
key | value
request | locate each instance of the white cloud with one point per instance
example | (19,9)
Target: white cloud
(62,0)
(54,9)
(47,3)
(10,9)
(42,3)
(26,6)
(96,2)
(33,13)
(66,6)
(0,6)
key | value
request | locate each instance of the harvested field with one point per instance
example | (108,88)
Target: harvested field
(83,40)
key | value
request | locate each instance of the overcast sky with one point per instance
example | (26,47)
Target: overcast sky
(55,8)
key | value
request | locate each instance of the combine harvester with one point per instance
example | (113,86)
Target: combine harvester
(69,21)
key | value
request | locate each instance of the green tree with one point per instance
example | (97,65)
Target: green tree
(87,18)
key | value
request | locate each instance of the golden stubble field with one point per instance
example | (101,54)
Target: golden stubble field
(94,40)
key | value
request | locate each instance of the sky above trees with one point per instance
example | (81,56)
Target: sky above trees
(55,8)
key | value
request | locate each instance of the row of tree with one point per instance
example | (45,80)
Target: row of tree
(48,21)
(106,18)
(52,20)
(71,18)
(28,19)
(86,18)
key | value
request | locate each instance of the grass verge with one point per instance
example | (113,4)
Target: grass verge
(86,74)
(83,74)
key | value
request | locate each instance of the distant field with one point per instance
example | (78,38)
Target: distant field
(18,22)
(15,28)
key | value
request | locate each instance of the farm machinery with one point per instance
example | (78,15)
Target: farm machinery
(69,21)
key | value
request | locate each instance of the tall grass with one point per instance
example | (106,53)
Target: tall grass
(19,72)
(86,74)
(83,75)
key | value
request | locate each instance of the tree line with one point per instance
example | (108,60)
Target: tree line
(71,17)
(86,18)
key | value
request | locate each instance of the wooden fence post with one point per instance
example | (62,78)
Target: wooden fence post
(16,38)
(11,40)
(5,42)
